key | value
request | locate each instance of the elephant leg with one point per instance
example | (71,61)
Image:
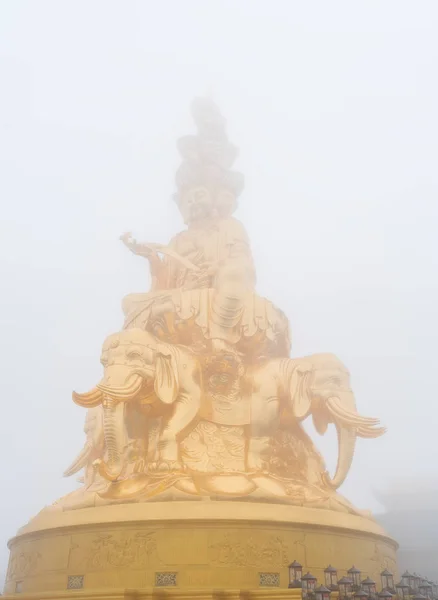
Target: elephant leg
(114,436)
(153,438)
(264,418)
(185,411)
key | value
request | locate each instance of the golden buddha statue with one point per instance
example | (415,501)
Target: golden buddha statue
(203,364)
(197,469)
(203,290)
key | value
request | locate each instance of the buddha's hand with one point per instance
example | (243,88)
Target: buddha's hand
(136,248)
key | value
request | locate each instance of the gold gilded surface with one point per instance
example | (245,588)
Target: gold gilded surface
(211,545)
(198,396)
(197,471)
(160,594)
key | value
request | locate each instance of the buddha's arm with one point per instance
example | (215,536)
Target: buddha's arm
(158,269)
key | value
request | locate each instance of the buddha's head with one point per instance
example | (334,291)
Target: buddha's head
(195,204)
(206,190)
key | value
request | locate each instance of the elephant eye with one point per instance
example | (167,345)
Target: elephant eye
(133,355)
(335,381)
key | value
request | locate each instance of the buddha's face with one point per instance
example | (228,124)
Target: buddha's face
(196,204)
(225,202)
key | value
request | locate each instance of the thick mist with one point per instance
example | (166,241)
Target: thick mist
(334,108)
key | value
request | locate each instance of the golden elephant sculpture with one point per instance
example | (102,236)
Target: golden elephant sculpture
(318,385)
(140,369)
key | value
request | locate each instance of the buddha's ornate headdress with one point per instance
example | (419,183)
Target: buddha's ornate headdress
(208,156)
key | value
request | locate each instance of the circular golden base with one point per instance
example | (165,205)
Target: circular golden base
(190,545)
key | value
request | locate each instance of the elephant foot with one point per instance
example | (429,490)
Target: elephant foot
(166,466)
(105,471)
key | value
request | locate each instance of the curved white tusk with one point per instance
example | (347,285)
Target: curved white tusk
(80,461)
(336,404)
(337,410)
(123,392)
(88,399)
(370,433)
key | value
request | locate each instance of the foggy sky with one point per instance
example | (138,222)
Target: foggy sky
(334,108)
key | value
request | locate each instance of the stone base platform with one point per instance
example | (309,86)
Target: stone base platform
(182,549)
(165,594)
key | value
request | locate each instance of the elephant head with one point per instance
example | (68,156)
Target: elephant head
(320,386)
(137,368)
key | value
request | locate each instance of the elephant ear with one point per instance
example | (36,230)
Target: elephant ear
(300,390)
(166,382)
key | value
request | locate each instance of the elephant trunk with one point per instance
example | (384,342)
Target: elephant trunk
(112,393)
(114,435)
(342,409)
(349,425)
(346,445)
